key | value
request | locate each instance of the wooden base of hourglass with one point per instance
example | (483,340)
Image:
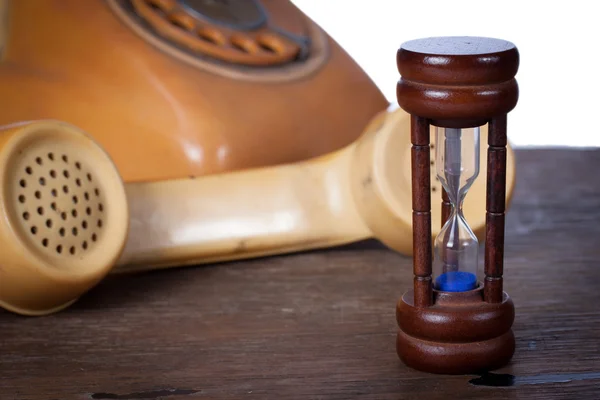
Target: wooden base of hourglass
(459,334)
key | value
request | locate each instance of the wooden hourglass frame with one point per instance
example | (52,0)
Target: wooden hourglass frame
(457,82)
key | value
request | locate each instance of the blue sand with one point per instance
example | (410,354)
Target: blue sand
(456,281)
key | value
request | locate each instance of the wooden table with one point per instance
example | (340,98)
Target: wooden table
(321,325)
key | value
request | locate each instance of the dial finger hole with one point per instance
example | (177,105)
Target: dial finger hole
(211,36)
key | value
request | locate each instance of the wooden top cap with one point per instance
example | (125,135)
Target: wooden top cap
(457,78)
(458,60)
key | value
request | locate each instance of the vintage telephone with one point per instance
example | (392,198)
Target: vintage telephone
(167,102)
(82,196)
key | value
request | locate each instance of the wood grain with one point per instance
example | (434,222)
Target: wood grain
(457,81)
(321,325)
(495,210)
(458,60)
(421,206)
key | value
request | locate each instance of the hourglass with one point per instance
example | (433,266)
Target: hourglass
(453,321)
(456,246)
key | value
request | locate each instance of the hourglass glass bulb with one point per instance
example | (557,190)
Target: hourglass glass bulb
(456,246)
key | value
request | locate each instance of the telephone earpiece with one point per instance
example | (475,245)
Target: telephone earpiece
(64,215)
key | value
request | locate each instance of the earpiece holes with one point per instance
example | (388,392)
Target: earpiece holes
(50,207)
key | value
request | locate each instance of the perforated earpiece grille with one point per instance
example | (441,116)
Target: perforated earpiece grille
(59,200)
(63,198)
(64,217)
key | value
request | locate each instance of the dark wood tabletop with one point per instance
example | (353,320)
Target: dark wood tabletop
(321,324)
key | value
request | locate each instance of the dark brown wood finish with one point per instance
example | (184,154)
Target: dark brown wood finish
(321,325)
(459,334)
(459,82)
(421,203)
(495,209)
(444,105)
(456,61)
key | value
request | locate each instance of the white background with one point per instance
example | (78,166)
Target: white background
(558,41)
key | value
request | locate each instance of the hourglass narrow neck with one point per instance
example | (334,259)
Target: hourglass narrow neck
(457,157)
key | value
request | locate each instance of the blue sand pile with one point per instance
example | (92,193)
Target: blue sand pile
(456,281)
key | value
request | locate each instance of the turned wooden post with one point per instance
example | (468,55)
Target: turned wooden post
(495,206)
(421,202)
